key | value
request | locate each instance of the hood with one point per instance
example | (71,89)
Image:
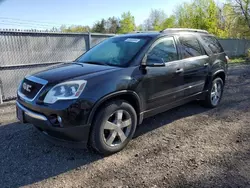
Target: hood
(68,71)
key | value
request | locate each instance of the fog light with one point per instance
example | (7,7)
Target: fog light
(55,120)
(59,119)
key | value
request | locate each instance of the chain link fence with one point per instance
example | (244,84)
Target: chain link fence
(24,52)
(235,47)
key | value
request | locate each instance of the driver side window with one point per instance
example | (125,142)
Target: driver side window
(164,50)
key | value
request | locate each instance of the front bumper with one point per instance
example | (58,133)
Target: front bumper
(75,136)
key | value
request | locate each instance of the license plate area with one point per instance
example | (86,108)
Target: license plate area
(20,115)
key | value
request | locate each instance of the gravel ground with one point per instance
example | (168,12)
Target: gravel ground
(189,146)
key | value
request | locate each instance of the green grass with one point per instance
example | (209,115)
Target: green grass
(238,60)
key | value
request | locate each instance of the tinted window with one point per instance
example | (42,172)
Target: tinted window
(213,44)
(190,47)
(116,51)
(163,50)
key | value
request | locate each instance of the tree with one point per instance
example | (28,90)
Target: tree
(242,7)
(75,29)
(112,25)
(230,20)
(139,27)
(184,15)
(155,20)
(227,22)
(199,14)
(127,23)
(239,16)
(211,18)
(54,29)
(169,22)
(99,27)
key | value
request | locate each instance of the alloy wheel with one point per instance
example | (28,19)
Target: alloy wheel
(216,93)
(117,128)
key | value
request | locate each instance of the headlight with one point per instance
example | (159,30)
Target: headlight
(65,91)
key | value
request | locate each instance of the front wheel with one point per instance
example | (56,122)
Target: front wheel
(214,94)
(113,127)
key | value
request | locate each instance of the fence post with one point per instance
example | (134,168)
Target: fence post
(1,96)
(89,41)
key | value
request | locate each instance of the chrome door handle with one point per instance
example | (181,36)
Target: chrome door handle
(178,71)
(206,64)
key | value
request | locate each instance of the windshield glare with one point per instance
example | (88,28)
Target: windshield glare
(117,51)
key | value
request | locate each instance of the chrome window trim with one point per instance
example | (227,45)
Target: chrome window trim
(196,58)
(187,59)
(35,80)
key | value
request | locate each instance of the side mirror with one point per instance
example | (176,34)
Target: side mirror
(152,62)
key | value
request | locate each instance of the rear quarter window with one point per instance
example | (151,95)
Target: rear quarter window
(213,44)
(190,46)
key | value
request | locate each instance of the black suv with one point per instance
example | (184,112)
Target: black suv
(100,98)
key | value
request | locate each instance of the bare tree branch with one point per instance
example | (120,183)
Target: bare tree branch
(242,7)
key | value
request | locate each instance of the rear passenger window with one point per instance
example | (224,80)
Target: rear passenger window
(190,47)
(213,44)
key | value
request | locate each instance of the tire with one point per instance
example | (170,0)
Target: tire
(109,123)
(211,94)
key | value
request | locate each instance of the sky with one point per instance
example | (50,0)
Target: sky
(44,14)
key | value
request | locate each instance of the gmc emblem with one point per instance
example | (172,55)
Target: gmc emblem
(27,87)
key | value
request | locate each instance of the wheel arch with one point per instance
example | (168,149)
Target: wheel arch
(210,78)
(130,96)
(221,74)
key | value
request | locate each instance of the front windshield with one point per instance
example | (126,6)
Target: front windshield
(116,51)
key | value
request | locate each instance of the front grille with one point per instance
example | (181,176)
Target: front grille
(30,88)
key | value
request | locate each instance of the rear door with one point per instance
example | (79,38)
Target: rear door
(217,55)
(196,64)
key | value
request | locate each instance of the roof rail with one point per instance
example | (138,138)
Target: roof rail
(184,29)
(144,32)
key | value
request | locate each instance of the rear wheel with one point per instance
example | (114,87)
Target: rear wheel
(215,93)
(113,127)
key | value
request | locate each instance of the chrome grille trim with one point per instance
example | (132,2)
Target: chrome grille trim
(35,80)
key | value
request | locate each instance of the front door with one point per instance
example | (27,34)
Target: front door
(163,79)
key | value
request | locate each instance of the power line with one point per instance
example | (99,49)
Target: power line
(26,26)
(16,19)
(31,23)
(36,22)
(22,23)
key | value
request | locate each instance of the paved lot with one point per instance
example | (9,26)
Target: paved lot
(189,146)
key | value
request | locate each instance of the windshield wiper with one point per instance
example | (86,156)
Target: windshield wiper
(93,62)
(111,64)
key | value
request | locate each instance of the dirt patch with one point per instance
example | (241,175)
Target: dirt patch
(189,146)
